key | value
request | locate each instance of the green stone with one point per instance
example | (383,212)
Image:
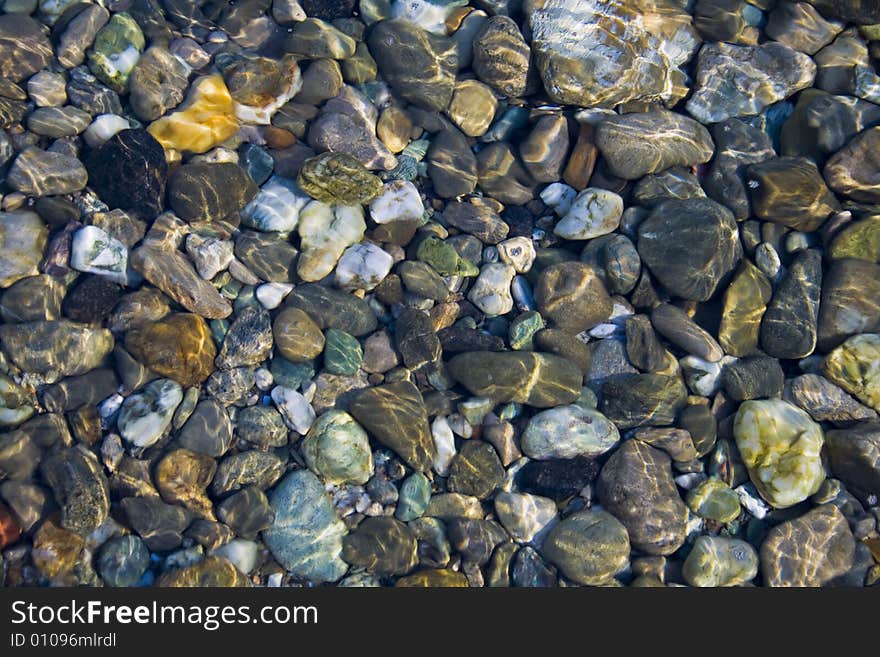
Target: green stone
(338,179)
(860,239)
(523,329)
(780,445)
(420,278)
(476,470)
(117,48)
(291,375)
(718,561)
(337,449)
(396,416)
(414,496)
(536,379)
(714,500)
(565,432)
(342,352)
(855,367)
(382,545)
(589,547)
(444,258)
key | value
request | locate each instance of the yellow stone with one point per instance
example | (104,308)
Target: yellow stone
(780,446)
(206,118)
(855,367)
(745,302)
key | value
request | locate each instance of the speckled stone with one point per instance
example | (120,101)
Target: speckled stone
(537,379)
(854,367)
(641,143)
(636,487)
(501,57)
(338,178)
(808,551)
(80,487)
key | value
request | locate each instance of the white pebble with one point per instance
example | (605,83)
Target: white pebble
(242,553)
(272,294)
(276,206)
(93,251)
(519,252)
(362,267)
(595,212)
(263,378)
(399,201)
(491,290)
(209,254)
(298,414)
(444,441)
(104,127)
(559,196)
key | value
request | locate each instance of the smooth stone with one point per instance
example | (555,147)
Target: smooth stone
(472,107)
(269,256)
(861,12)
(209,192)
(207,431)
(91,300)
(57,122)
(382,545)
(23,238)
(250,468)
(854,367)
(572,297)
(178,346)
(416,339)
(209,255)
(502,177)
(745,302)
(810,550)
(754,377)
(636,487)
(420,278)
(524,515)
(415,494)
(59,346)
(857,239)
(146,415)
(825,401)
(501,57)
(443,257)
(362,267)
(116,50)
(634,400)
(537,379)
(418,65)
(789,327)
(522,330)
(80,488)
(476,470)
(297,337)
(737,144)
(519,252)
(436,578)
(395,415)
(676,326)
(157,83)
(594,212)
(296,410)
(314,38)
(24,48)
(854,170)
(342,352)
(690,246)
(675,442)
(724,72)
(32,299)
(790,191)
(306,536)
(855,456)
(123,561)
(800,26)
(566,432)
(589,547)
(475,539)
(779,444)
(337,178)
(393,128)
(46,173)
(452,166)
(331,308)
(398,201)
(491,290)
(637,144)
(643,346)
(181,478)
(714,500)
(247,512)
(160,525)
(211,571)
(55,550)
(47,89)
(543,151)
(205,119)
(675,183)
(478,220)
(94,251)
(128,172)
(598,54)
(717,561)
(260,86)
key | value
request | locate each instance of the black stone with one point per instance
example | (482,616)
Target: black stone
(91,299)
(557,478)
(757,377)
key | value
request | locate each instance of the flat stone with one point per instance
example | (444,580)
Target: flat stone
(297,337)
(537,379)
(178,346)
(476,470)
(780,446)
(452,166)
(57,122)
(825,401)
(157,83)
(314,38)
(634,400)
(636,487)
(853,366)
(382,545)
(676,326)
(543,151)
(589,547)
(745,302)
(45,173)
(808,551)
(80,488)
(854,170)
(23,238)
(790,191)
(24,49)
(789,327)
(641,143)
(61,346)
(209,192)
(798,25)
(269,256)
(714,500)
(724,71)
(182,477)
(306,536)
(690,246)
(572,297)
(208,430)
(395,415)
(472,107)
(211,571)
(331,308)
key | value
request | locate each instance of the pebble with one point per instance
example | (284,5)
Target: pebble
(853,366)
(745,302)
(780,446)
(116,50)
(298,414)
(24,48)
(209,192)
(178,346)
(588,547)
(415,494)
(790,191)
(789,326)
(716,561)
(146,416)
(491,291)
(853,454)
(825,401)
(80,487)
(851,170)
(472,107)
(594,212)
(276,206)
(568,431)
(476,470)
(158,83)
(23,238)
(362,267)
(523,515)
(676,326)
(398,201)
(94,251)
(714,500)
(62,346)
(103,127)
(572,297)
(752,378)
(633,400)
(382,545)
(123,561)
(46,173)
